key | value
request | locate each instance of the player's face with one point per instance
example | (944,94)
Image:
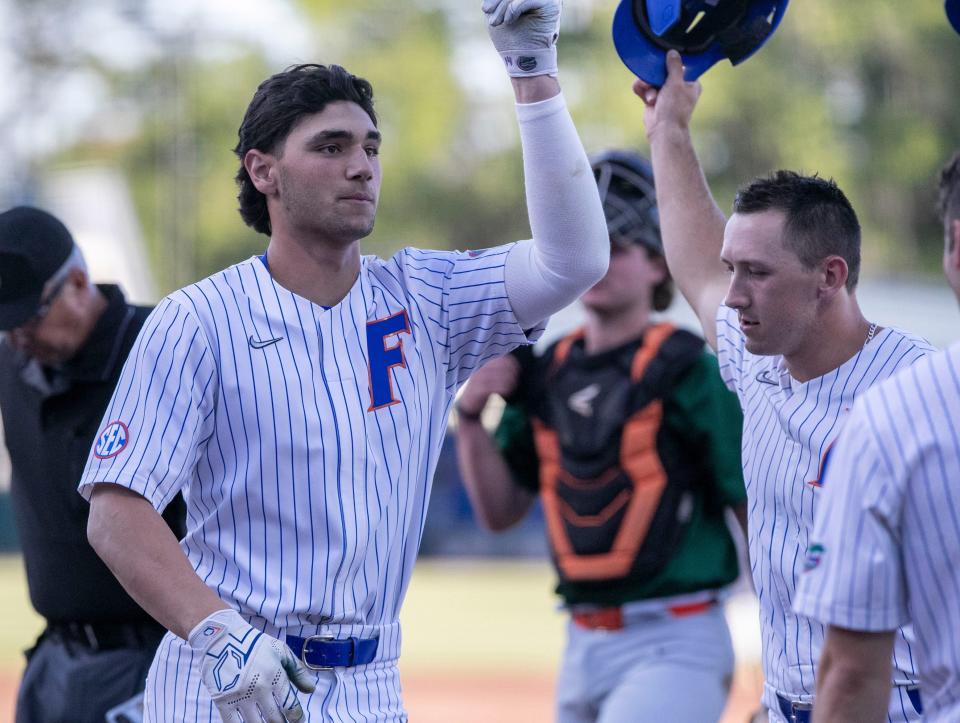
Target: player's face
(951,254)
(329,174)
(775,296)
(628,283)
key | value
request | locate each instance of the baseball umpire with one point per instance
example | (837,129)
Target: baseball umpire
(65,343)
(626,432)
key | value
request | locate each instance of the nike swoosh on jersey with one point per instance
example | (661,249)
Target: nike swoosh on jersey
(765,378)
(261,343)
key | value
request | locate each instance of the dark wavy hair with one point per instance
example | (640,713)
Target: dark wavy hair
(949,196)
(277,106)
(820,221)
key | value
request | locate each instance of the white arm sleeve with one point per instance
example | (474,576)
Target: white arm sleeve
(570,249)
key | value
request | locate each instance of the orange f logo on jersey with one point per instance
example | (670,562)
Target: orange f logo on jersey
(818,482)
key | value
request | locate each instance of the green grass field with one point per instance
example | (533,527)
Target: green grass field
(481,642)
(463,616)
(481,605)
(462,621)
(20,624)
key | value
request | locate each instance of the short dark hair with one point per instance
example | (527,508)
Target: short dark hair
(820,221)
(662,295)
(279,103)
(949,186)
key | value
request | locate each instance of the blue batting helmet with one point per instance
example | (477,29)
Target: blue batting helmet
(702,31)
(953,13)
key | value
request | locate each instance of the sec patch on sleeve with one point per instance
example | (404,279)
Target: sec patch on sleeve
(112,440)
(814,555)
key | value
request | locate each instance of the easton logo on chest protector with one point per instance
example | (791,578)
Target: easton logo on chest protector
(612,509)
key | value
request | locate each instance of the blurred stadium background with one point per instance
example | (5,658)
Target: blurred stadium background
(119,116)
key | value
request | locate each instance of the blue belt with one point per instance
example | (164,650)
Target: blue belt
(794,712)
(324,652)
(802,712)
(914,695)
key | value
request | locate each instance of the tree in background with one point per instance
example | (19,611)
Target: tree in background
(859,91)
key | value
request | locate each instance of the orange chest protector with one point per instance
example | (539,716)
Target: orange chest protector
(614,506)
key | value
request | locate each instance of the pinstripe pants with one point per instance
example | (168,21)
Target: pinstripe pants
(364,694)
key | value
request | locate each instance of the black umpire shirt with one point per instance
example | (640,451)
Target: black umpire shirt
(50,419)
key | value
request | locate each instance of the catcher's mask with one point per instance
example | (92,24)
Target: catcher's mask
(953,13)
(702,31)
(625,183)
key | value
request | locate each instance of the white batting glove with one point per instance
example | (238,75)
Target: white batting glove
(248,672)
(525,32)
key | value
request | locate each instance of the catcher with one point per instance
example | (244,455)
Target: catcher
(625,431)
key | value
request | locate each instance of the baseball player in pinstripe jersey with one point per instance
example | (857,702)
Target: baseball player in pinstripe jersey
(775,290)
(299,400)
(885,545)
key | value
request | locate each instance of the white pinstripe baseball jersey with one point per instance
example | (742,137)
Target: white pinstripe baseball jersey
(304,440)
(788,427)
(886,543)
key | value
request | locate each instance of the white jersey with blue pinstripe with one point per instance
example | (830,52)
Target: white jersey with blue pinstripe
(788,427)
(304,440)
(886,543)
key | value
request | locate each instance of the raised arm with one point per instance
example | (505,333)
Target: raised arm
(691,223)
(570,249)
(498,502)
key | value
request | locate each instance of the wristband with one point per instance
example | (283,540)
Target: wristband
(530,63)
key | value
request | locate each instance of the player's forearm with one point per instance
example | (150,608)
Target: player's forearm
(691,223)
(497,502)
(141,551)
(853,677)
(843,697)
(535,89)
(570,249)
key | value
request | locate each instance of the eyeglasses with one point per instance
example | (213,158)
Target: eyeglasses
(46,303)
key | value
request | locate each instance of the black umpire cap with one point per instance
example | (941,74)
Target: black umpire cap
(33,247)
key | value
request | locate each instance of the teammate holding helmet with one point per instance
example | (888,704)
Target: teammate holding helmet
(617,420)
(775,290)
(300,400)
